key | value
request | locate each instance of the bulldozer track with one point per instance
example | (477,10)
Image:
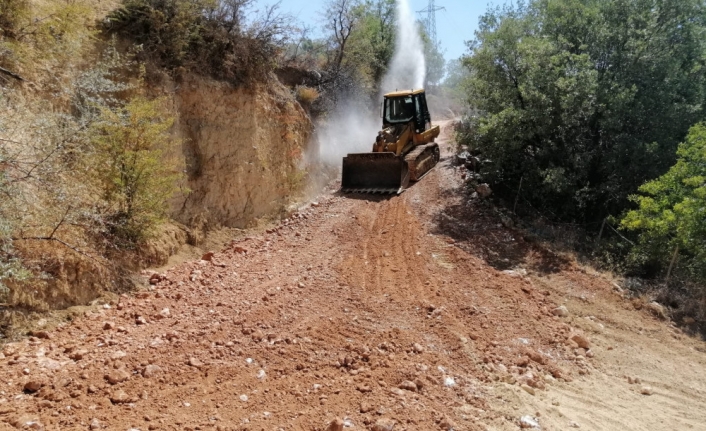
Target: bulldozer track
(421,160)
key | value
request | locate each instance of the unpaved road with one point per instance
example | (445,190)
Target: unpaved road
(421,310)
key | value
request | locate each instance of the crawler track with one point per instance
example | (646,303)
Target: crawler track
(421,160)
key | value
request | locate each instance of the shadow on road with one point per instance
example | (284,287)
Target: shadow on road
(480,228)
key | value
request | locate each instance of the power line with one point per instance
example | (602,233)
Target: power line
(430,20)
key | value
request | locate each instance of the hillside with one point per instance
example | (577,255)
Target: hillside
(112,160)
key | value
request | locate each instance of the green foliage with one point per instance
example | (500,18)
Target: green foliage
(584,100)
(373,40)
(356,48)
(74,184)
(47,194)
(138,178)
(208,36)
(434,61)
(672,208)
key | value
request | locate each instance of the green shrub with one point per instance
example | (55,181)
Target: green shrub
(138,178)
(12,13)
(39,41)
(672,209)
(584,101)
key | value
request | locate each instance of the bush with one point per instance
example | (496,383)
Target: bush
(583,101)
(12,12)
(11,268)
(36,34)
(208,36)
(138,179)
(672,209)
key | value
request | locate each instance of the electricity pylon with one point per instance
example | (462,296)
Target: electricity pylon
(430,20)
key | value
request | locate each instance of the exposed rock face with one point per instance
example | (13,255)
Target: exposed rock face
(243,150)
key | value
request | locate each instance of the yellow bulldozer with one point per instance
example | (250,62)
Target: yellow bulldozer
(404,149)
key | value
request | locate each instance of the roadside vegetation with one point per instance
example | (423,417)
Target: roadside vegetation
(215,38)
(88,156)
(582,111)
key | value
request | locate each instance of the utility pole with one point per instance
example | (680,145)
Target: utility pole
(430,20)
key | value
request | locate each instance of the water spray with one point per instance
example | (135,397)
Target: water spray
(408,68)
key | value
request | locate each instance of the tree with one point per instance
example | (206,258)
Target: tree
(379,30)
(584,100)
(671,213)
(435,63)
(341,16)
(457,76)
(360,39)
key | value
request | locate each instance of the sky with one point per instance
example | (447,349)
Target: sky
(454,25)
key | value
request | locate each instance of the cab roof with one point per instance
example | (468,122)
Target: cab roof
(402,93)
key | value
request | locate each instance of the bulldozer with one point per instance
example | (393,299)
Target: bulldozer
(404,149)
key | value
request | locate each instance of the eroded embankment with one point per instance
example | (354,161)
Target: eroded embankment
(243,150)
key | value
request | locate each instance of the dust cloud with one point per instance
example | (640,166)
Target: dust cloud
(347,131)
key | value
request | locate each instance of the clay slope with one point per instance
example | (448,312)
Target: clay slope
(243,150)
(374,311)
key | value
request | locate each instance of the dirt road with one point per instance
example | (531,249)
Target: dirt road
(421,310)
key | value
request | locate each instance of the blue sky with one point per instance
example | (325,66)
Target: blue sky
(454,26)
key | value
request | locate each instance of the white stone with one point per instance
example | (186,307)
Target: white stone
(529,422)
(646,390)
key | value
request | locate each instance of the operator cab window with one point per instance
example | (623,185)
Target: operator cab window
(399,110)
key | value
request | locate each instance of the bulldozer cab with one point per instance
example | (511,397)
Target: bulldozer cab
(401,107)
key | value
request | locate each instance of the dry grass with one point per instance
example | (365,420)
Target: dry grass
(52,211)
(306,95)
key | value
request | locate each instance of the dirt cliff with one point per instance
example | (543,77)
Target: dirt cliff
(243,150)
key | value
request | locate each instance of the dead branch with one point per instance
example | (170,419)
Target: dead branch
(10,140)
(64,243)
(58,225)
(51,237)
(12,74)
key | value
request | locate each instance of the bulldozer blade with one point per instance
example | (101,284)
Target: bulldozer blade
(383,173)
